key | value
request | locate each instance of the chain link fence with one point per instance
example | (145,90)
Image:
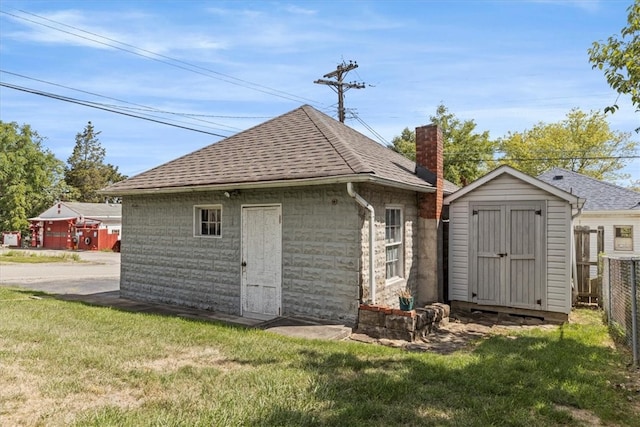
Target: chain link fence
(621,298)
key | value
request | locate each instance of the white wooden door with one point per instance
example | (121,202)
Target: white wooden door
(506,255)
(261,261)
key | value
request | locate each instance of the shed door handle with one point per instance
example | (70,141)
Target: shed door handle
(502,254)
(244,263)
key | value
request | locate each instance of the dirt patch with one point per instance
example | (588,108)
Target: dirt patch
(25,398)
(586,418)
(462,330)
(196,357)
(26,403)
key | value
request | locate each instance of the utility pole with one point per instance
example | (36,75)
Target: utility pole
(339,86)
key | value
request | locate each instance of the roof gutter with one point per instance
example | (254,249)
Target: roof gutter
(342,179)
(372,220)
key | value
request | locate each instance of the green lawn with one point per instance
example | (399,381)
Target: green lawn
(66,363)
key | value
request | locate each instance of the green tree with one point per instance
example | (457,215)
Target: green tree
(31,177)
(620,58)
(582,143)
(86,172)
(405,144)
(634,185)
(467,154)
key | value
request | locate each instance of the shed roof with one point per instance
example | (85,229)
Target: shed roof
(301,147)
(504,169)
(99,211)
(600,195)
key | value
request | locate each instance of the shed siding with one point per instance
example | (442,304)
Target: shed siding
(321,230)
(558,256)
(459,251)
(507,189)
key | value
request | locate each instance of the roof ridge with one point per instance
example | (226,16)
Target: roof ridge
(344,150)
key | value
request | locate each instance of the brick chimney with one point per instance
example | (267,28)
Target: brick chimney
(429,166)
(429,149)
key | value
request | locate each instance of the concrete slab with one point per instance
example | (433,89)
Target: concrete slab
(306,328)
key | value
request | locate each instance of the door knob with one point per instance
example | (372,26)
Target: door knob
(244,263)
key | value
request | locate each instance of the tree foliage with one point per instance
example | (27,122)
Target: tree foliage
(405,144)
(620,58)
(467,154)
(31,177)
(634,185)
(86,172)
(582,143)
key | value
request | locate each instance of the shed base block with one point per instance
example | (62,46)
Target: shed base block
(547,316)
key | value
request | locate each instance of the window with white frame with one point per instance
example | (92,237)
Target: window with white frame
(622,238)
(207,220)
(393,243)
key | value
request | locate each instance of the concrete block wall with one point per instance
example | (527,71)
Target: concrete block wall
(381,198)
(321,254)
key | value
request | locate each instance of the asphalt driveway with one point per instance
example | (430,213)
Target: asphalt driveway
(99,272)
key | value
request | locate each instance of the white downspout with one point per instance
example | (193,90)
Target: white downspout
(372,222)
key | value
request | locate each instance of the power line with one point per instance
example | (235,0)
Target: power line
(174,62)
(369,128)
(99,107)
(538,159)
(143,107)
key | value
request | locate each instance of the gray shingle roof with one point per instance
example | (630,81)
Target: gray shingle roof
(600,195)
(303,144)
(96,210)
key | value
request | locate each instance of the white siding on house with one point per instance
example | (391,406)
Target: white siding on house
(506,189)
(608,221)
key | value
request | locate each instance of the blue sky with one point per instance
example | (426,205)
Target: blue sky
(225,66)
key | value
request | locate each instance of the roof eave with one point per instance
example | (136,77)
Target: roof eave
(340,179)
(573,199)
(601,212)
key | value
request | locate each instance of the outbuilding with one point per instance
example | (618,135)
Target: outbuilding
(298,216)
(510,245)
(76,225)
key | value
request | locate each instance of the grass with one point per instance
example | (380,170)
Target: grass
(67,363)
(36,258)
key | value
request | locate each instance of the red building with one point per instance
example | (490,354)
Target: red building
(74,225)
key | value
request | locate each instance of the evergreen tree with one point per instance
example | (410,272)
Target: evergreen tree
(86,172)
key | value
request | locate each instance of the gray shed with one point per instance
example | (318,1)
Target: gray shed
(510,245)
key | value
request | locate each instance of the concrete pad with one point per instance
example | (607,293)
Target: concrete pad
(306,328)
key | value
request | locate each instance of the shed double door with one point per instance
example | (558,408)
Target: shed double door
(507,256)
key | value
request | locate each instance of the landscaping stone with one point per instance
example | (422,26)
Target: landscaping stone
(393,324)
